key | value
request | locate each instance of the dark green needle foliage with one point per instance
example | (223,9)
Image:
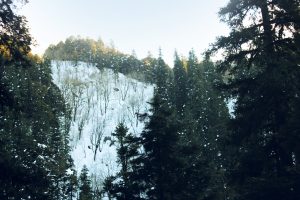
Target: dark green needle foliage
(157,164)
(203,125)
(179,85)
(122,186)
(85,190)
(261,70)
(33,147)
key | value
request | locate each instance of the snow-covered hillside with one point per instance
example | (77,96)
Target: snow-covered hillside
(99,100)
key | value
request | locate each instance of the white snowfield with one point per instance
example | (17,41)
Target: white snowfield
(98,101)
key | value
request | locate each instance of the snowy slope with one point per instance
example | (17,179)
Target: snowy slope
(99,100)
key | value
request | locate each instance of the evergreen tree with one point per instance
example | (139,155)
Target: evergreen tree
(179,85)
(85,185)
(31,108)
(192,77)
(30,124)
(149,68)
(261,73)
(72,185)
(108,187)
(157,165)
(204,124)
(162,78)
(122,185)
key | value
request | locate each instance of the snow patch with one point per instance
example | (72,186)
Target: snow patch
(99,100)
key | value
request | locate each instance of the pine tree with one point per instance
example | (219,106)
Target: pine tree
(162,78)
(30,113)
(108,187)
(29,124)
(260,71)
(121,186)
(72,185)
(179,85)
(157,165)
(85,185)
(204,124)
(149,68)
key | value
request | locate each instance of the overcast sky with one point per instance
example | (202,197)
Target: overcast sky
(140,25)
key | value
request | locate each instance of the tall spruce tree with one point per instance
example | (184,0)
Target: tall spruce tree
(179,85)
(261,71)
(85,192)
(192,64)
(162,78)
(157,165)
(123,186)
(72,185)
(204,124)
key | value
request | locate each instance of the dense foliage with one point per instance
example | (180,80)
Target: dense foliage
(85,185)
(34,152)
(254,153)
(178,155)
(78,49)
(261,64)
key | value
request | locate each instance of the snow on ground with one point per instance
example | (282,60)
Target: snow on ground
(99,100)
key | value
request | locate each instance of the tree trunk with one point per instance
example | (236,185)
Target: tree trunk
(268,36)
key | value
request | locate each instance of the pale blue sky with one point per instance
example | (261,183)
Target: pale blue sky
(140,25)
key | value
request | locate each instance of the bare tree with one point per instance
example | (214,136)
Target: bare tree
(96,137)
(106,94)
(124,89)
(133,84)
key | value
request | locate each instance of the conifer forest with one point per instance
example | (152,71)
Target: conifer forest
(86,121)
